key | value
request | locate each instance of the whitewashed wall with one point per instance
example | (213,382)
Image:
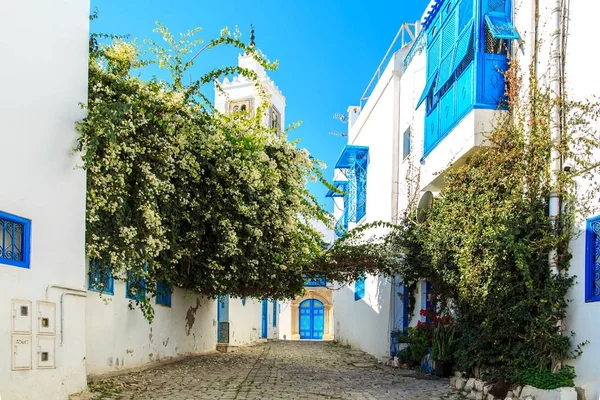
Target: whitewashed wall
(118,337)
(365,323)
(245,321)
(39,105)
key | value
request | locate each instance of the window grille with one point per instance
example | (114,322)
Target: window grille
(100,279)
(135,288)
(497,5)
(15,235)
(592,260)
(163,293)
(359,289)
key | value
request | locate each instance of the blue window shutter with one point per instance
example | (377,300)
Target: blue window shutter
(592,260)
(464,44)
(163,293)
(428,87)
(133,285)
(501,27)
(274,313)
(359,289)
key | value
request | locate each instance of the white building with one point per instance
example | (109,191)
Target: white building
(58,329)
(428,109)
(43,76)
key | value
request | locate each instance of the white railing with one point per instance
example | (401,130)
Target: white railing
(406,35)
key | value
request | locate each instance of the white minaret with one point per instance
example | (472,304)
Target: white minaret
(241,94)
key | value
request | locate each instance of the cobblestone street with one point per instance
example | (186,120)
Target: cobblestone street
(274,370)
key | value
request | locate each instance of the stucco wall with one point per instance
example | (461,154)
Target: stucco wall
(118,337)
(39,104)
(245,321)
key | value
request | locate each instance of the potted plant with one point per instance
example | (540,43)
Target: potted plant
(443,342)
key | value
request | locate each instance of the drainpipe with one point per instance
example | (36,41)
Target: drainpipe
(555,161)
(62,312)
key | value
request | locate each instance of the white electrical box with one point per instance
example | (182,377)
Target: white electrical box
(45,352)
(21,316)
(46,318)
(21,352)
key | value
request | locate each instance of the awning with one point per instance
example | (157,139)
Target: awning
(351,154)
(428,87)
(501,27)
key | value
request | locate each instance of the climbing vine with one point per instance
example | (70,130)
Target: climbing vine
(179,193)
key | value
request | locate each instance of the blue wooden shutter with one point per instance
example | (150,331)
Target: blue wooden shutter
(359,289)
(501,28)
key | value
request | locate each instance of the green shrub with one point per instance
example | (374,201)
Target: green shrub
(418,346)
(543,378)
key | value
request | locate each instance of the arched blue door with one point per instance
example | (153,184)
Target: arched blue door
(312,319)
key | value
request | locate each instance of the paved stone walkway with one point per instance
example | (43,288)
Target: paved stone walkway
(274,370)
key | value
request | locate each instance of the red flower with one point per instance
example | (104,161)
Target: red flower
(423,313)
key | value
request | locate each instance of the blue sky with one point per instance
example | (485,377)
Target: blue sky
(328,50)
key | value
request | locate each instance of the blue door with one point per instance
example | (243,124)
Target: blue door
(265,316)
(400,315)
(223,318)
(312,319)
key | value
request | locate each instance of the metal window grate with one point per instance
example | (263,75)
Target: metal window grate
(497,5)
(100,279)
(11,240)
(493,45)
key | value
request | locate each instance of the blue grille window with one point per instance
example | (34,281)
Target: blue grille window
(274,313)
(353,163)
(465,62)
(592,260)
(135,289)
(359,289)
(100,279)
(15,237)
(163,293)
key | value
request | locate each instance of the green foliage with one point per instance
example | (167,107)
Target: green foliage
(418,343)
(443,341)
(177,193)
(543,378)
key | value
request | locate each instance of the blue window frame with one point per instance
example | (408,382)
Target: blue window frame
(316,281)
(274,313)
(15,240)
(592,260)
(353,163)
(359,289)
(100,279)
(135,289)
(406,144)
(163,293)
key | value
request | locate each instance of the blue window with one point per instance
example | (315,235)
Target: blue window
(353,163)
(274,313)
(341,226)
(243,301)
(467,53)
(135,288)
(592,260)
(316,281)
(163,293)
(15,240)
(406,144)
(359,288)
(100,279)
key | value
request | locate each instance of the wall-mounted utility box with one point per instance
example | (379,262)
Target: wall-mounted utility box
(21,352)
(46,322)
(45,352)
(21,316)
